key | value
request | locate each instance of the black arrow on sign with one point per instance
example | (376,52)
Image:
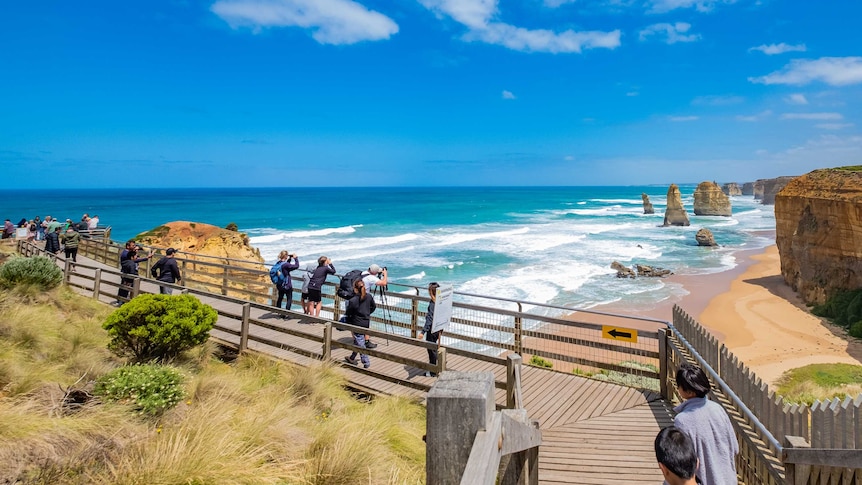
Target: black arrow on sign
(614,333)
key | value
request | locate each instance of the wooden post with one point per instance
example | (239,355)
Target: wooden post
(441,359)
(97,282)
(519,344)
(224,281)
(513,382)
(662,363)
(243,333)
(414,317)
(67,270)
(796,474)
(459,405)
(136,287)
(327,341)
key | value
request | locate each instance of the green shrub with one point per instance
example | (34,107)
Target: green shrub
(843,309)
(159,326)
(152,389)
(232,227)
(37,271)
(540,362)
(856,329)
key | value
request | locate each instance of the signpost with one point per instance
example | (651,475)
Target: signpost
(442,309)
(619,333)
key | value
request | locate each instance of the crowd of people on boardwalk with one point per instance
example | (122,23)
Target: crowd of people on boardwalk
(37,229)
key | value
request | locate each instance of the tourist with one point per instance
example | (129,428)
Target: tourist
(315,284)
(430,336)
(70,242)
(8,229)
(284,285)
(129,265)
(166,270)
(375,278)
(93,222)
(40,229)
(677,459)
(51,225)
(707,424)
(52,241)
(306,278)
(359,310)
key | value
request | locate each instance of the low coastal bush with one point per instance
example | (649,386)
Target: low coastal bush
(38,271)
(159,326)
(152,389)
(231,226)
(633,379)
(844,309)
(540,362)
(820,382)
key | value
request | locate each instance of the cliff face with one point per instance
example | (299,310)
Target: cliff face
(748,188)
(198,238)
(709,200)
(818,229)
(674,214)
(731,189)
(771,188)
(757,188)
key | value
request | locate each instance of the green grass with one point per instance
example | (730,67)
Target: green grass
(850,168)
(820,382)
(537,361)
(253,421)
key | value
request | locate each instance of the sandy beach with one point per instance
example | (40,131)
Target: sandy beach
(759,317)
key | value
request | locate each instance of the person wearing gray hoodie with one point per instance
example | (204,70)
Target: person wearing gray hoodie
(709,427)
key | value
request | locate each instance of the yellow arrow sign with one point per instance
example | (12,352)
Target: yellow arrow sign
(620,333)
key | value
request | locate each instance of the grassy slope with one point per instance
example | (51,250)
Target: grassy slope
(254,421)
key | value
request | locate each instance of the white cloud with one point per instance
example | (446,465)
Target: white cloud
(557,3)
(508,95)
(478,17)
(683,118)
(834,126)
(331,21)
(714,100)
(663,6)
(796,98)
(754,118)
(812,116)
(632,93)
(836,71)
(773,49)
(672,33)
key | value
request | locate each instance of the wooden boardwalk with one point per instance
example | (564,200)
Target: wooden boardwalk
(593,432)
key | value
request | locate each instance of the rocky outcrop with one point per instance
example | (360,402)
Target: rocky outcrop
(622,270)
(704,237)
(674,214)
(652,271)
(709,200)
(204,239)
(731,189)
(771,187)
(818,229)
(748,188)
(648,208)
(757,189)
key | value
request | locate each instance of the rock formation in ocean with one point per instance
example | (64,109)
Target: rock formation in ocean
(199,238)
(648,209)
(622,270)
(704,237)
(757,188)
(818,229)
(674,214)
(748,188)
(652,271)
(731,189)
(709,200)
(771,187)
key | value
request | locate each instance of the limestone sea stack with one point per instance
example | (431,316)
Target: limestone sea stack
(704,237)
(748,188)
(757,188)
(709,200)
(731,189)
(648,208)
(674,214)
(818,229)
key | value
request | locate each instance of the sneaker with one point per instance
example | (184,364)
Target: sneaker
(367,365)
(352,361)
(430,374)
(370,345)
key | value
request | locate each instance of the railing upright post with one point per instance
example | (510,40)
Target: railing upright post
(336,306)
(97,283)
(224,281)
(519,346)
(414,317)
(327,341)
(663,364)
(136,286)
(513,382)
(67,270)
(243,333)
(441,359)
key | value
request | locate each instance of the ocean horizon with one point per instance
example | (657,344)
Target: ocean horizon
(551,245)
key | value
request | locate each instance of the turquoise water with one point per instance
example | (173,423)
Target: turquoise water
(540,244)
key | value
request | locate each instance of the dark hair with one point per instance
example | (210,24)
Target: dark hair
(675,450)
(692,378)
(321,260)
(359,288)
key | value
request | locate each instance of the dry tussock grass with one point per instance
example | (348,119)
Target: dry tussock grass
(253,421)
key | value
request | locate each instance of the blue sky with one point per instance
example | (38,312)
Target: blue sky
(426,92)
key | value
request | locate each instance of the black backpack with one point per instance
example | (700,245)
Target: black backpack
(345,287)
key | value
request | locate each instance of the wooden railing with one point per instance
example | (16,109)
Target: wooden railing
(780,442)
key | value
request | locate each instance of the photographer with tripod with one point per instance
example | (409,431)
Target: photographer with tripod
(376,278)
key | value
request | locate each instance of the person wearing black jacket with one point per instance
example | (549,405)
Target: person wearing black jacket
(359,310)
(52,241)
(167,271)
(128,266)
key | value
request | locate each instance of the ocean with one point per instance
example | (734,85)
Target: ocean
(550,245)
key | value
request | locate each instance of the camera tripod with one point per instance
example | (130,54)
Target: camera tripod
(387,313)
